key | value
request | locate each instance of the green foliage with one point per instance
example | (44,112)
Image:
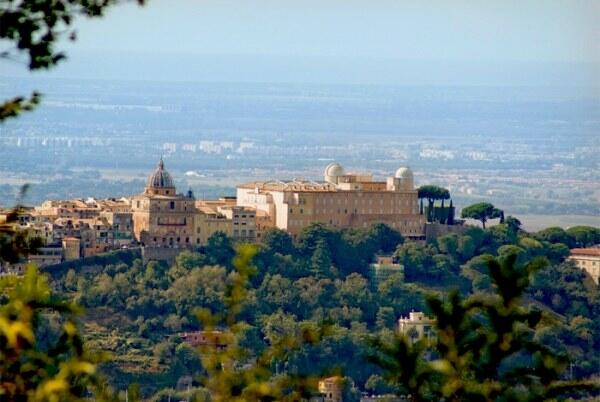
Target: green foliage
(486,347)
(15,106)
(432,193)
(584,236)
(231,374)
(554,235)
(320,261)
(219,250)
(278,241)
(481,211)
(136,310)
(42,367)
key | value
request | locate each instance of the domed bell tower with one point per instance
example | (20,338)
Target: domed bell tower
(160,182)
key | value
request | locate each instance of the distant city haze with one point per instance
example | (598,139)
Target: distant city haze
(497,101)
(541,43)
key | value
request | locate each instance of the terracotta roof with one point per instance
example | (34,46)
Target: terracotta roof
(594,252)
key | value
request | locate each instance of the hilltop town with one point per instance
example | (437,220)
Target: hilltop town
(162,220)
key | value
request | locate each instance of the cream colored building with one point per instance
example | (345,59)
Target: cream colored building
(416,326)
(238,222)
(341,200)
(331,389)
(587,259)
(209,220)
(161,216)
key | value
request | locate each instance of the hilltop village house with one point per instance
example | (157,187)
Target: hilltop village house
(160,218)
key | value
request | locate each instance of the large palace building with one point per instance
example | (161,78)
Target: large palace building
(161,217)
(341,200)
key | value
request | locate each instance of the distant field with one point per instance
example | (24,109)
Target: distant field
(537,222)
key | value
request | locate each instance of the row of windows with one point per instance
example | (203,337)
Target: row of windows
(243,232)
(345,211)
(243,223)
(330,201)
(170,240)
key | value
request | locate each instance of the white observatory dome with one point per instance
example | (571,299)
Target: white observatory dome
(332,172)
(406,177)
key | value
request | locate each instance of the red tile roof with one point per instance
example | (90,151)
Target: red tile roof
(593,252)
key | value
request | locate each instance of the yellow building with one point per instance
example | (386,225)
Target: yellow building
(224,215)
(331,389)
(161,216)
(341,200)
(209,220)
(587,259)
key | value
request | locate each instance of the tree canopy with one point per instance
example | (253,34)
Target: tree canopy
(432,193)
(482,211)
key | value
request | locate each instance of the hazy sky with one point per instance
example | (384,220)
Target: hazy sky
(382,41)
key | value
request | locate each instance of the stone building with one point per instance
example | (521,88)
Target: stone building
(122,227)
(210,219)
(384,268)
(161,216)
(331,389)
(416,326)
(238,222)
(587,259)
(341,200)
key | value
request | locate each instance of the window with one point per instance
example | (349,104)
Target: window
(172,205)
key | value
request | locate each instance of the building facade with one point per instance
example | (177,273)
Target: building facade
(587,259)
(416,326)
(331,389)
(161,216)
(341,200)
(384,268)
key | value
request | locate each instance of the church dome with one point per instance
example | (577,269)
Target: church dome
(332,172)
(160,178)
